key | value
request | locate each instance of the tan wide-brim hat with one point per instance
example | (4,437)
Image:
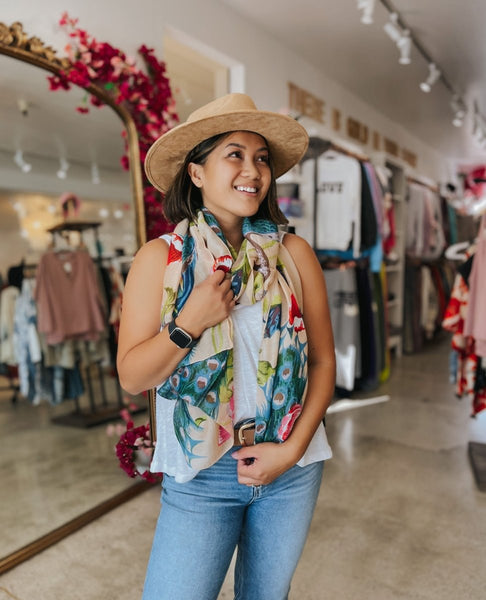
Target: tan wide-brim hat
(286,138)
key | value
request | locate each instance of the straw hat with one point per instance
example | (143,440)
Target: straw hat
(286,138)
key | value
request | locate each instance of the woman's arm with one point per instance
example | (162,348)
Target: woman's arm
(271,460)
(146,356)
(321,355)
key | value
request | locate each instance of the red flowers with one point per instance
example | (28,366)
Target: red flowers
(147,96)
(134,450)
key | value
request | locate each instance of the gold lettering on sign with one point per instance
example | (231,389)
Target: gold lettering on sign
(409,157)
(336,119)
(376,140)
(391,147)
(305,103)
(357,131)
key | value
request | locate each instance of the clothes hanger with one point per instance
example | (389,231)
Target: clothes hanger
(455,252)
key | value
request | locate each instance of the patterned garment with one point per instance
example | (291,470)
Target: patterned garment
(467,384)
(202,384)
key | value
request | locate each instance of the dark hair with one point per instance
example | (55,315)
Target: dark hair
(183,199)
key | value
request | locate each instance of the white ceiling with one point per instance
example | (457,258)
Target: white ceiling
(51,126)
(328,34)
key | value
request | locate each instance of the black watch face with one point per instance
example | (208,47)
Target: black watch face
(181,338)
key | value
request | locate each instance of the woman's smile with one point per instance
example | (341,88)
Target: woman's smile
(246,189)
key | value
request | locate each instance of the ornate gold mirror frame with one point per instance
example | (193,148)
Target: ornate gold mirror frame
(15,43)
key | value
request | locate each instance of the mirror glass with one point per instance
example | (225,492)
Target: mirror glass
(52,466)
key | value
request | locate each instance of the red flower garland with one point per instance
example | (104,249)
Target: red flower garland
(135,438)
(147,96)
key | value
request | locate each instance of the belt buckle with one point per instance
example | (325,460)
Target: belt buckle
(250,424)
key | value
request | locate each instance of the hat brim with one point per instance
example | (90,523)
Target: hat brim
(286,138)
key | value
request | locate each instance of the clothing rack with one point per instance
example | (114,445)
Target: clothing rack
(13,386)
(357,155)
(100,407)
(429,186)
(98,411)
(318,146)
(80,227)
(75,226)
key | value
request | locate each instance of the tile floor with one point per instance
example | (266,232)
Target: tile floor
(399,515)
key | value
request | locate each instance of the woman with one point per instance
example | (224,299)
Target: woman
(243,357)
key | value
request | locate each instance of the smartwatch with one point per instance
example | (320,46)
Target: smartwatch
(180,337)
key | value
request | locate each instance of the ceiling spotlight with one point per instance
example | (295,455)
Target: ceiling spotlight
(367,6)
(95,174)
(459,110)
(433,76)
(25,167)
(401,37)
(481,135)
(23,107)
(405,46)
(63,168)
(392,28)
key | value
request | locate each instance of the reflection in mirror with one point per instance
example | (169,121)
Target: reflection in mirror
(57,462)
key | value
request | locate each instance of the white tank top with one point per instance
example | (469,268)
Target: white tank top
(247,333)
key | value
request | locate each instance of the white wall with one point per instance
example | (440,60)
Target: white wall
(268,64)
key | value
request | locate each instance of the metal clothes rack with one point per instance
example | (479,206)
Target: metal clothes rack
(97,411)
(13,386)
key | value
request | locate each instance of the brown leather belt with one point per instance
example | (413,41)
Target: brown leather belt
(245,433)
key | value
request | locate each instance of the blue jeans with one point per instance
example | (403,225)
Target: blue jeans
(202,521)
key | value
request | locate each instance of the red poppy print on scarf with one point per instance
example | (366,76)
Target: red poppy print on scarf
(295,315)
(288,422)
(175,249)
(224,263)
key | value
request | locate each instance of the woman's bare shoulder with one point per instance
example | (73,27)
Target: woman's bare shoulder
(297,246)
(151,251)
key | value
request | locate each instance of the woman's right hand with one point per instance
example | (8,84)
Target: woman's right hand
(146,356)
(209,303)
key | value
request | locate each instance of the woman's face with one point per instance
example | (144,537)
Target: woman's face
(236,176)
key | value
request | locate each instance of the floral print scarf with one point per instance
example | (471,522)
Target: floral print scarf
(202,384)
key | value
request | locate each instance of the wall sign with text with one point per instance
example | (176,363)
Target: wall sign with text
(306,104)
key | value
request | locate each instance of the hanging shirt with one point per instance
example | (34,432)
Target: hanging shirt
(27,343)
(475,322)
(8,298)
(338,210)
(69,302)
(415,220)
(368,213)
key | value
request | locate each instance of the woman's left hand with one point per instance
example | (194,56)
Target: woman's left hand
(262,463)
